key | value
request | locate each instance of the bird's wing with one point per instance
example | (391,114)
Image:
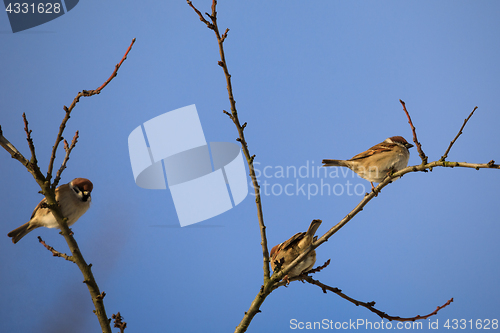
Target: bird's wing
(43,204)
(293,240)
(379,148)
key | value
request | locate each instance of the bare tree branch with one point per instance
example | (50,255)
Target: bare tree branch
(416,168)
(319,268)
(459,133)
(68,150)
(370,305)
(33,160)
(419,146)
(234,117)
(54,252)
(202,19)
(48,190)
(369,196)
(9,147)
(12,150)
(273,282)
(302,276)
(266,289)
(84,93)
(117,67)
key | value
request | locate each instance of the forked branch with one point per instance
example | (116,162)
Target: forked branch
(241,136)
(55,253)
(48,191)
(83,93)
(273,282)
(459,133)
(67,149)
(371,305)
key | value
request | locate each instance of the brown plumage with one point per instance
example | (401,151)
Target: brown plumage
(74,200)
(287,251)
(376,163)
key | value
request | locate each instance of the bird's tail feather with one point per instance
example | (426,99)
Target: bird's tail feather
(327,163)
(313,227)
(20,232)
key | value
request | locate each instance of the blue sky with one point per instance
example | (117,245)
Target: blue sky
(313,80)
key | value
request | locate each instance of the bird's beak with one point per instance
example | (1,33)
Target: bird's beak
(409,145)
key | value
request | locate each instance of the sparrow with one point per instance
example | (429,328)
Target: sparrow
(74,200)
(376,163)
(286,252)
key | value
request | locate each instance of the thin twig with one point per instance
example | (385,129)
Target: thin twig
(59,137)
(202,19)
(83,93)
(98,90)
(370,305)
(319,268)
(68,150)
(300,277)
(419,146)
(224,35)
(54,252)
(30,140)
(32,165)
(12,150)
(455,139)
